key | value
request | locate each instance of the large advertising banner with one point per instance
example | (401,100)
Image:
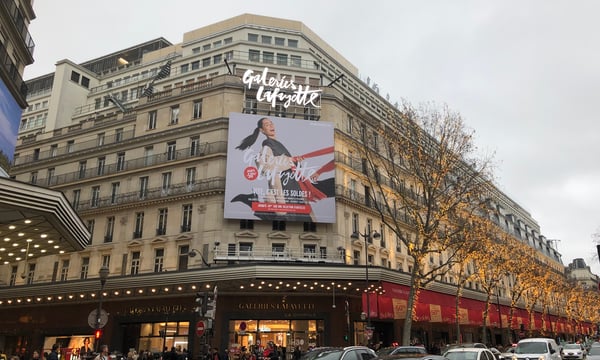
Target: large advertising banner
(279,169)
(10,117)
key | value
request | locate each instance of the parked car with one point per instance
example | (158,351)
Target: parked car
(339,353)
(537,348)
(388,351)
(573,351)
(469,353)
(508,353)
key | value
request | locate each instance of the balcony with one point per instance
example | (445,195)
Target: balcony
(270,254)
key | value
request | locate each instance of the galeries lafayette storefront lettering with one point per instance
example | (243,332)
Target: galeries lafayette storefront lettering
(272,90)
(276,306)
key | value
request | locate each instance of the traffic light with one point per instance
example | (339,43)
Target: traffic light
(201,303)
(98,334)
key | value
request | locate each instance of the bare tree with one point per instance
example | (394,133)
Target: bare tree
(426,181)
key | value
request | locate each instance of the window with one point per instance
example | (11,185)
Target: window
(134,269)
(161,225)
(282,59)
(186,220)
(206,47)
(82,166)
(194,145)
(159,260)
(166,182)
(91,224)
(64,270)
(33,177)
(114,192)
(254,55)
(309,250)
(197,110)
(95,201)
(217,59)
(139,225)
(101,164)
(279,41)
(70,146)
(110,228)
(174,115)
(268,57)
(100,139)
(85,82)
(184,68)
(148,155)
(182,260)
(120,161)
(245,248)
(75,76)
(190,176)
(53,150)
(278,250)
(246,224)
(206,62)
(119,135)
(30,274)
(279,225)
(228,40)
(152,120)
(310,227)
(171,150)
(196,65)
(85,268)
(253,37)
(292,43)
(355,223)
(51,173)
(296,61)
(143,187)
(106,261)
(76,198)
(266,39)
(250,106)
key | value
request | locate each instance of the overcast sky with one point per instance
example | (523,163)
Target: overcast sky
(525,75)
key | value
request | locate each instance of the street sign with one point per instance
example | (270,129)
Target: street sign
(200,328)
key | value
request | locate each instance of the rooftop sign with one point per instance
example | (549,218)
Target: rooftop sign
(272,90)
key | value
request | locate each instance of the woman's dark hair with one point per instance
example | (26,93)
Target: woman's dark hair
(251,139)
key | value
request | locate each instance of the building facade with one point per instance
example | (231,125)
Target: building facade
(140,142)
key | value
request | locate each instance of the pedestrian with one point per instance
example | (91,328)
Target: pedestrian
(54,353)
(103,355)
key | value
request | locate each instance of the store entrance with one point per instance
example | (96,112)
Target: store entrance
(252,336)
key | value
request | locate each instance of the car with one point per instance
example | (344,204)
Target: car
(340,353)
(469,353)
(466,345)
(573,351)
(388,351)
(537,348)
(508,353)
(594,353)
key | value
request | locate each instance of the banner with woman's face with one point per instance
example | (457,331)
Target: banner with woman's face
(284,170)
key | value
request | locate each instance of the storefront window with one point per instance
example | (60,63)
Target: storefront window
(253,335)
(156,336)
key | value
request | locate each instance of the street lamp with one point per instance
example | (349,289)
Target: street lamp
(194,252)
(368,237)
(103,276)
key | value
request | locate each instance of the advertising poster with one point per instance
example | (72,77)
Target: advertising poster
(10,117)
(279,169)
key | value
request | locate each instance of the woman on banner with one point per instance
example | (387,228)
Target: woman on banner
(288,181)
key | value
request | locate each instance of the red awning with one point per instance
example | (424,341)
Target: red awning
(386,307)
